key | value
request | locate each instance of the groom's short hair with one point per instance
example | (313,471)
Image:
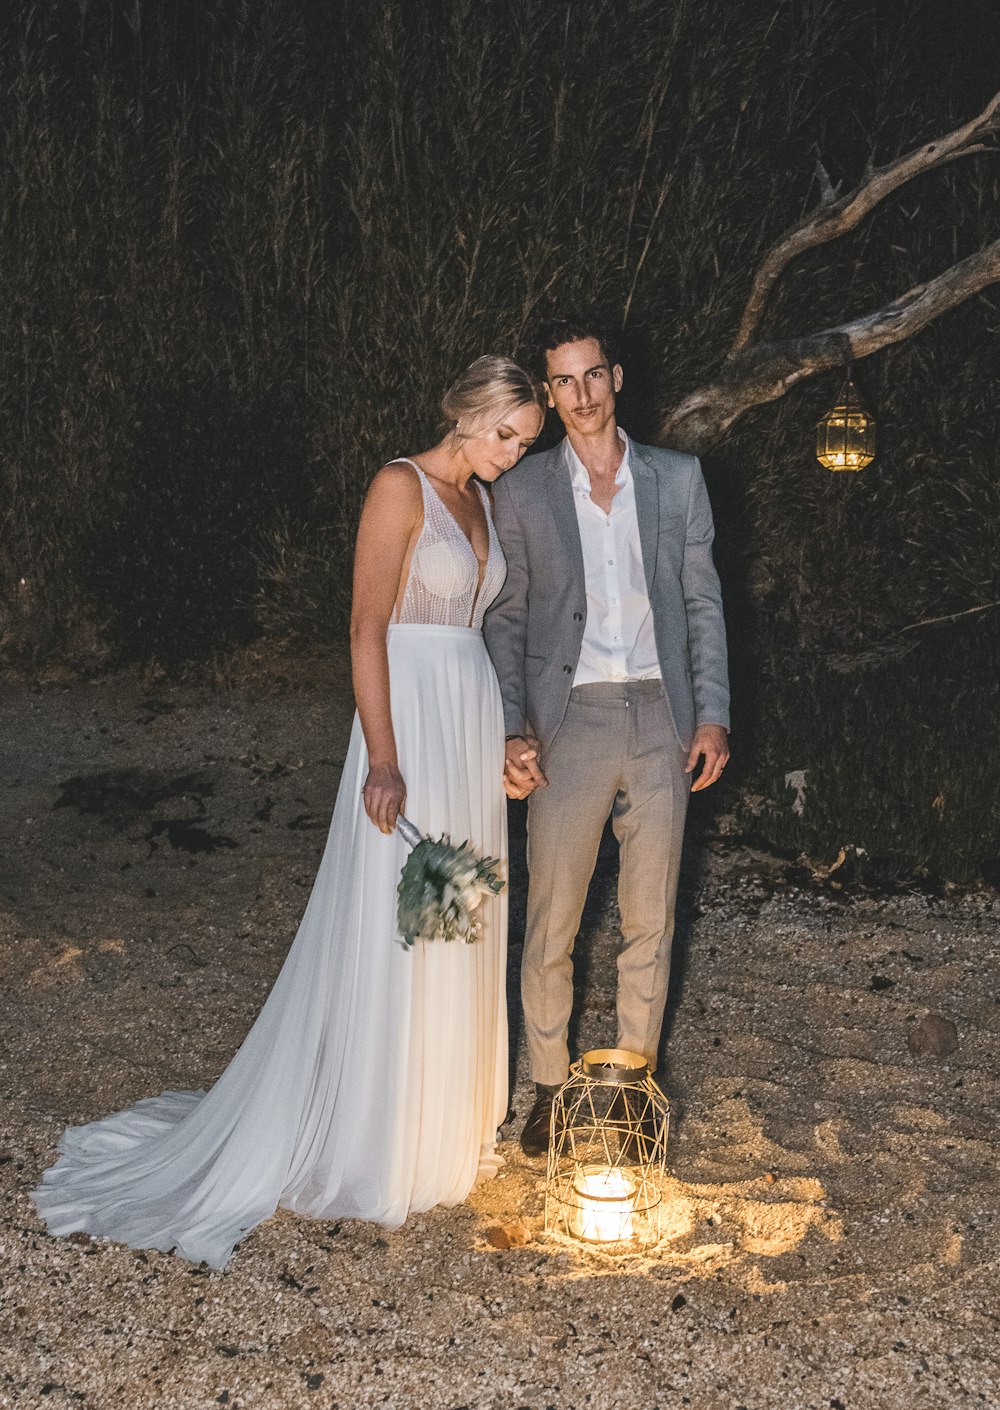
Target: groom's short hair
(571,328)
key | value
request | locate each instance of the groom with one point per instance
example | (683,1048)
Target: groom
(609,643)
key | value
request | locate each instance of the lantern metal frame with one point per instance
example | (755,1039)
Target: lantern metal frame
(845,436)
(607,1158)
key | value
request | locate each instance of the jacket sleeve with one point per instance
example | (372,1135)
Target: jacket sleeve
(703,604)
(506,623)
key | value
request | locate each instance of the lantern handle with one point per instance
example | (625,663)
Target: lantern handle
(616,1066)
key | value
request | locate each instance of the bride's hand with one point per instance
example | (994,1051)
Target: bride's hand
(384,794)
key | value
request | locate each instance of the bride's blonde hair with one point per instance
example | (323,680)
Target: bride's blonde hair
(487,391)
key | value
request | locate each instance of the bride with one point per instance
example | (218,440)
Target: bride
(375,1077)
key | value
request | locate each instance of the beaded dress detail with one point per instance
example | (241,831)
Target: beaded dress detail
(444,583)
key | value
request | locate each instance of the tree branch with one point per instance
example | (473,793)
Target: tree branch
(951,617)
(765,372)
(836,216)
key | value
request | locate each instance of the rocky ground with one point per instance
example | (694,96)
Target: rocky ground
(833,1206)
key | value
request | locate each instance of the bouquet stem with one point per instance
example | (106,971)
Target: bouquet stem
(411,835)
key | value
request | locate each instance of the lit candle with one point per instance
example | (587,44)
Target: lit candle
(604,1214)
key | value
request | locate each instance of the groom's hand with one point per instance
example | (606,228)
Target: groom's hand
(522,773)
(710,742)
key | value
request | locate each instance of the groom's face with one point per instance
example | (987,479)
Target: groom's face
(582,386)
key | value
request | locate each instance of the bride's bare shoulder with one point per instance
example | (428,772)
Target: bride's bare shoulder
(395,493)
(399,479)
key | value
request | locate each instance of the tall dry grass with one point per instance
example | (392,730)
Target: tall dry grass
(320,212)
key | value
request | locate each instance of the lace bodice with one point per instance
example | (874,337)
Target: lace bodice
(443,588)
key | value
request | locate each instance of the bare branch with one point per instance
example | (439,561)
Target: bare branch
(951,617)
(835,217)
(766,372)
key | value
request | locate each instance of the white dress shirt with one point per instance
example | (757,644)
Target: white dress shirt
(618,640)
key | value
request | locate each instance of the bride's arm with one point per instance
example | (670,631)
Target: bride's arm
(390,519)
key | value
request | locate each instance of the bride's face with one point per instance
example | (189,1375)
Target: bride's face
(490,454)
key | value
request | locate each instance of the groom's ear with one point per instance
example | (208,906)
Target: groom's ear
(617,376)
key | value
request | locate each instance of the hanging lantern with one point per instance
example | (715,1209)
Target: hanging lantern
(845,436)
(608,1154)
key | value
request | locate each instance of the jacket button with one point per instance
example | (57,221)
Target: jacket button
(577,616)
(567,669)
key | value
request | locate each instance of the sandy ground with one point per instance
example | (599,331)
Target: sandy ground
(833,1201)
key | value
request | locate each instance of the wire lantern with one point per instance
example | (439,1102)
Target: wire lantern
(608,1154)
(845,436)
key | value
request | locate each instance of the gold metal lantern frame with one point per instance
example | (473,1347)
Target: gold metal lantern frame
(608,1155)
(845,436)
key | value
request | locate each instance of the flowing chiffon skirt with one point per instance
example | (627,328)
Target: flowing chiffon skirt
(375,1077)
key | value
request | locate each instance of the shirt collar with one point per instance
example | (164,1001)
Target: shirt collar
(579,474)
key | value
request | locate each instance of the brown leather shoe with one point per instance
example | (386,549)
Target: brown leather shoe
(535,1135)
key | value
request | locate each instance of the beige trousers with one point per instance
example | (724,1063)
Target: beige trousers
(616,752)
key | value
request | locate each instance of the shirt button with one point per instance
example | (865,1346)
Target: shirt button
(611,562)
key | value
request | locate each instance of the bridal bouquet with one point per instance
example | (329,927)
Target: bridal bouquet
(440,888)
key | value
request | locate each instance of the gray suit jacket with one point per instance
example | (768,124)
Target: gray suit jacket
(534,629)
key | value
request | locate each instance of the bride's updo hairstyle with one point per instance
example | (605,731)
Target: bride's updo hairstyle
(488,390)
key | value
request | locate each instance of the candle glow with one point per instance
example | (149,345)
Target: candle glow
(604,1214)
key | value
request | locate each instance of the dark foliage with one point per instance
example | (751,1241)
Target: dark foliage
(896,758)
(170,561)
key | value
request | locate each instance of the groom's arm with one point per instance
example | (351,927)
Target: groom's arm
(506,624)
(505,629)
(703,605)
(706,641)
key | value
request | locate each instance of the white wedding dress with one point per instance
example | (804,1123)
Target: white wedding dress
(375,1077)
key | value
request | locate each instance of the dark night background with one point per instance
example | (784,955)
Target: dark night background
(244,247)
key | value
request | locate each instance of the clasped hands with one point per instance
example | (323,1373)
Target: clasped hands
(522,771)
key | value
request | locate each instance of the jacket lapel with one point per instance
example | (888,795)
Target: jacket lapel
(647,506)
(563,507)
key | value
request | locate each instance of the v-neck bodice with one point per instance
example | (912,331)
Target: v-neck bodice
(448,585)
